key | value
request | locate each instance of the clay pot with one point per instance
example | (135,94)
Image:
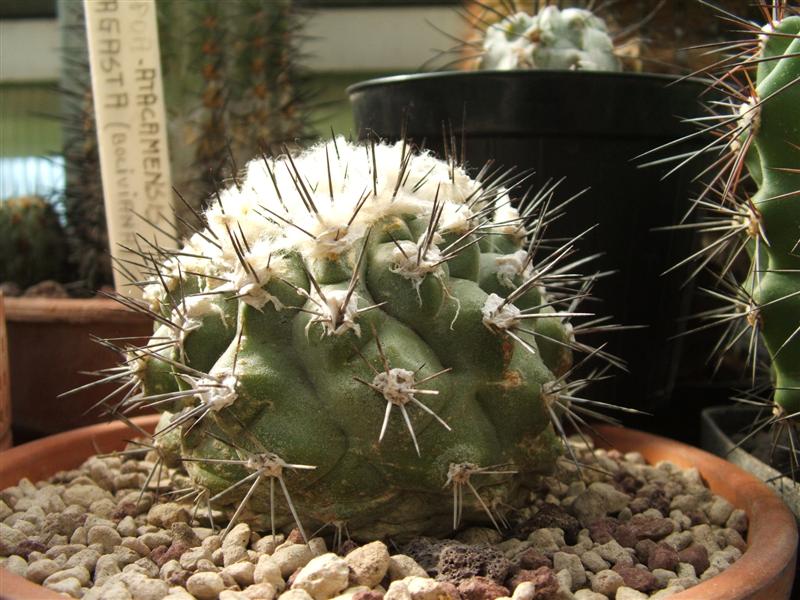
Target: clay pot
(50,346)
(5,384)
(765,571)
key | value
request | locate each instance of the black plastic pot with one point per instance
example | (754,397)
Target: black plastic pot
(587,127)
(720,424)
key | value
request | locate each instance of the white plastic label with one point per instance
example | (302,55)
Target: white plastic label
(131,128)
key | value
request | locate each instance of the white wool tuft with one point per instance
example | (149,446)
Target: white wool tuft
(322,203)
(497,315)
(396,385)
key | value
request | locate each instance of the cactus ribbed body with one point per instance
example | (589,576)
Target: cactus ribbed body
(774,163)
(32,247)
(572,38)
(371,314)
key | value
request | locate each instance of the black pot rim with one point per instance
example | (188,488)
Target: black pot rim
(531,74)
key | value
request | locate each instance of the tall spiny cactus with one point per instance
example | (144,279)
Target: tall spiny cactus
(235,87)
(204,116)
(753,203)
(83,191)
(365,335)
(270,92)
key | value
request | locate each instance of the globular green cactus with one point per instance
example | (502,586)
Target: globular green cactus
(364,335)
(32,243)
(552,38)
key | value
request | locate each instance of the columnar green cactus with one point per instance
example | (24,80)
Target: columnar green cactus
(757,147)
(32,247)
(362,334)
(235,87)
(770,142)
(269,103)
(572,38)
(83,203)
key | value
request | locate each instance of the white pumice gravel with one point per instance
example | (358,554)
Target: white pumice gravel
(636,532)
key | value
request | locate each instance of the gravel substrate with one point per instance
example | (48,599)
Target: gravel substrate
(625,530)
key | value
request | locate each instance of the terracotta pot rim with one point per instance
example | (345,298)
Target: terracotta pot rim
(765,570)
(69,310)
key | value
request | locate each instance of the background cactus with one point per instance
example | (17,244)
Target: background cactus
(364,335)
(82,198)
(235,88)
(32,245)
(552,38)
(752,206)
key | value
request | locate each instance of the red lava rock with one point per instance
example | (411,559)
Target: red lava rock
(698,517)
(481,588)
(639,527)
(627,483)
(626,535)
(425,551)
(651,527)
(179,578)
(25,547)
(124,509)
(650,498)
(367,595)
(643,549)
(530,559)
(551,515)
(663,556)
(521,576)
(458,562)
(602,530)
(174,552)
(157,555)
(545,582)
(641,580)
(450,591)
(697,556)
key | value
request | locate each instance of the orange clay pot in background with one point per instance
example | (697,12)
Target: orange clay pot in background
(49,342)
(5,384)
(764,572)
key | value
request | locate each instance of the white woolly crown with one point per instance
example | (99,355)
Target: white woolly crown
(321,203)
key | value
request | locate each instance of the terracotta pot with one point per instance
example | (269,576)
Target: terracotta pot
(765,571)
(5,384)
(50,345)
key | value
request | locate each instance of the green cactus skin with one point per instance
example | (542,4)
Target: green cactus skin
(32,243)
(572,39)
(338,336)
(773,160)
(752,205)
